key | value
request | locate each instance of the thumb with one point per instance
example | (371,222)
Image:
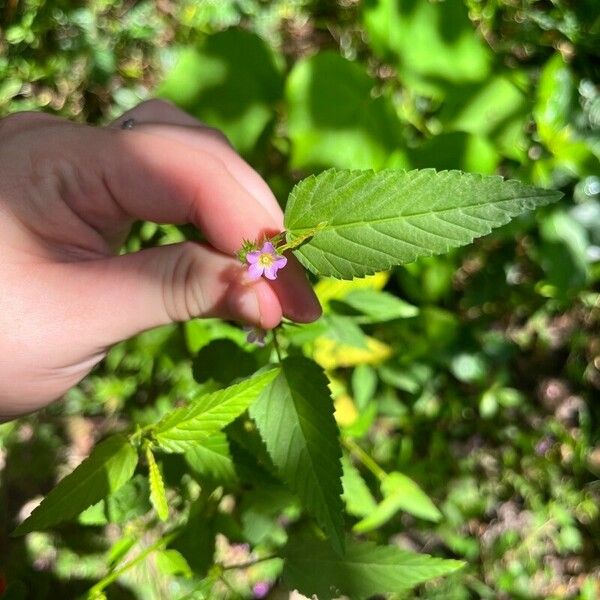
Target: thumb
(124,295)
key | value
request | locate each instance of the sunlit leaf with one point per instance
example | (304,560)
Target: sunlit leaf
(158,496)
(399,493)
(354,223)
(208,414)
(334,121)
(363,571)
(357,496)
(295,418)
(105,470)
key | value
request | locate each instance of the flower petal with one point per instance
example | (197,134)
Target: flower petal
(253,257)
(280,262)
(268,248)
(271,272)
(255,271)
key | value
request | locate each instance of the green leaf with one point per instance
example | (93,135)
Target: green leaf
(158,496)
(223,361)
(353,223)
(210,459)
(261,511)
(457,150)
(127,503)
(196,540)
(496,108)
(380,306)
(344,331)
(171,562)
(399,493)
(364,385)
(311,567)
(430,42)
(334,120)
(109,466)
(184,427)
(294,416)
(357,496)
(230,81)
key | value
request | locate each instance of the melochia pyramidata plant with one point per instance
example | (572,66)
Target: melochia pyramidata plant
(341,224)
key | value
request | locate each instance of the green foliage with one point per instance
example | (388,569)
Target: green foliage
(463,383)
(377,306)
(334,121)
(399,493)
(295,418)
(354,223)
(223,360)
(211,459)
(357,496)
(230,81)
(208,414)
(108,467)
(158,496)
(445,49)
(363,571)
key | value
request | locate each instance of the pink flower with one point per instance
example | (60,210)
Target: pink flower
(265,262)
(256,335)
(261,589)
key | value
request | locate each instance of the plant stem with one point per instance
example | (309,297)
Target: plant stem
(364,458)
(276,345)
(250,563)
(302,238)
(111,577)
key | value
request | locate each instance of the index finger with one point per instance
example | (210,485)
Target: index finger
(161,178)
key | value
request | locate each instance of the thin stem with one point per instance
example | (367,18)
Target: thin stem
(249,563)
(235,593)
(111,577)
(302,238)
(276,345)
(364,458)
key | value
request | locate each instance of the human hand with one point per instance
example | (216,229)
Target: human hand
(68,196)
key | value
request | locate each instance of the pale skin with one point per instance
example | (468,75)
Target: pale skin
(69,194)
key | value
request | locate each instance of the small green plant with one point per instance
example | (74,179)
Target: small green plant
(342,224)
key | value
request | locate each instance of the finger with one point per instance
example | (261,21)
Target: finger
(22,121)
(297,298)
(131,293)
(196,134)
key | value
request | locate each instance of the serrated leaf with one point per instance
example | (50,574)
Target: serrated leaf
(208,414)
(399,493)
(105,470)
(311,567)
(362,222)
(294,416)
(130,501)
(158,496)
(211,459)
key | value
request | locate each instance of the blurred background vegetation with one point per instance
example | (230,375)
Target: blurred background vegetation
(487,396)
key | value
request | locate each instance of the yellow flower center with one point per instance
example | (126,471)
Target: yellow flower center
(266,260)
